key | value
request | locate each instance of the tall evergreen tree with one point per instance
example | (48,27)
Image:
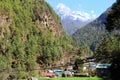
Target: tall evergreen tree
(111,48)
(113,18)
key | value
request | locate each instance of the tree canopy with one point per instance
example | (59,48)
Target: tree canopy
(109,48)
(25,41)
(113,18)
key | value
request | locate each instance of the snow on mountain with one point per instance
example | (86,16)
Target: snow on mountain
(73,20)
(65,11)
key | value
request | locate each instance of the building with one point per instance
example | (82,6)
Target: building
(103,70)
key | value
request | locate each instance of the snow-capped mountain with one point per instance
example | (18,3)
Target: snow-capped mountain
(73,20)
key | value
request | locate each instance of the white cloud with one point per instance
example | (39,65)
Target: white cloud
(64,11)
(94,16)
(92,11)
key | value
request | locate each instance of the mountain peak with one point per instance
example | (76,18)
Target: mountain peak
(73,20)
(65,11)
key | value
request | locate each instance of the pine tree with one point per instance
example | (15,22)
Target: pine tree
(113,18)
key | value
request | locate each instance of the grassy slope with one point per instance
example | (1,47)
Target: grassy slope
(74,78)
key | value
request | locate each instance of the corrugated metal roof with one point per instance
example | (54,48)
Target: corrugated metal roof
(103,65)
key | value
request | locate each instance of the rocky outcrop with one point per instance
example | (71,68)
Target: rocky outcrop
(5,22)
(48,21)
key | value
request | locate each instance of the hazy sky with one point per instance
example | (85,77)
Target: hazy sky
(95,7)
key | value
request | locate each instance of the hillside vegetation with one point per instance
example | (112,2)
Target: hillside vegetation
(92,33)
(30,34)
(108,49)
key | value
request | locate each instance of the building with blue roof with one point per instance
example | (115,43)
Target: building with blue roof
(103,70)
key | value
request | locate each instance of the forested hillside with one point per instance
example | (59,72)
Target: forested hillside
(92,33)
(71,26)
(108,50)
(30,34)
